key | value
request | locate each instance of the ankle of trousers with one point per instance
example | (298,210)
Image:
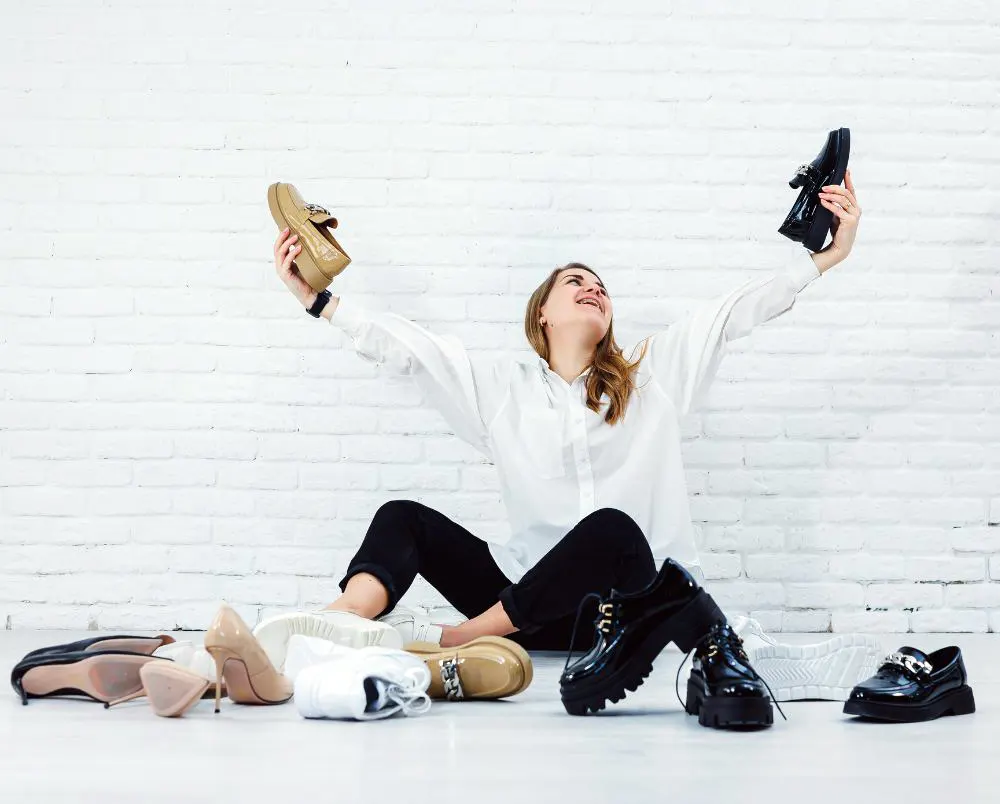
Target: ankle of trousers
(384,578)
(514,613)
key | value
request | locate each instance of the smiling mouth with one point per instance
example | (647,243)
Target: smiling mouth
(591,303)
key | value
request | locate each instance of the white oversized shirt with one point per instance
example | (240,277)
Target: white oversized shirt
(557,460)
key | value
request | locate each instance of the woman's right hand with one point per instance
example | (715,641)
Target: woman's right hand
(285,249)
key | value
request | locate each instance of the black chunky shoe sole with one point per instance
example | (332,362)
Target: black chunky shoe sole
(956,702)
(823,218)
(684,629)
(732,712)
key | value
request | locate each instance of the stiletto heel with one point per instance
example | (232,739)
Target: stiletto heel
(220,665)
(126,698)
(240,660)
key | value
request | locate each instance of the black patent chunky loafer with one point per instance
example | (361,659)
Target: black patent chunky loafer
(808,222)
(631,630)
(724,690)
(911,686)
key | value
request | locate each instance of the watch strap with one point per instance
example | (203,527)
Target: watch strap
(321,300)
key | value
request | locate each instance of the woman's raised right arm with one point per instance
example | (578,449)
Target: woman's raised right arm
(467,391)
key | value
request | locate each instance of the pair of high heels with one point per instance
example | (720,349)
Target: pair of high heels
(113,670)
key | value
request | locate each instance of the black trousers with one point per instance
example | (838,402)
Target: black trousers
(605,550)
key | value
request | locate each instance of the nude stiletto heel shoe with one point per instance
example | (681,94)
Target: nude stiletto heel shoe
(240,660)
(172,690)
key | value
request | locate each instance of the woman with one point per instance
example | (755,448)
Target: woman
(586,443)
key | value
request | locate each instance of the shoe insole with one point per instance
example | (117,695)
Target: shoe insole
(103,677)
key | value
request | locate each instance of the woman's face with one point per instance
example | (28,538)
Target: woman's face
(577,300)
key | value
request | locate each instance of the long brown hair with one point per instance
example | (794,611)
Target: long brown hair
(611,372)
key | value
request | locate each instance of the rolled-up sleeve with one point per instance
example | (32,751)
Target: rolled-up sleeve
(466,390)
(684,358)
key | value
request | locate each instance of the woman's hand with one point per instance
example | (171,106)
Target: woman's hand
(285,249)
(843,203)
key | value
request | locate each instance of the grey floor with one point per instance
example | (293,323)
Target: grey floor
(525,749)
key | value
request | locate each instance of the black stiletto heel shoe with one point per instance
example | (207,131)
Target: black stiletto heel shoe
(115,642)
(102,676)
(808,221)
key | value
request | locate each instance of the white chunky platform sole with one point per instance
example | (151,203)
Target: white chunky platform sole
(827,670)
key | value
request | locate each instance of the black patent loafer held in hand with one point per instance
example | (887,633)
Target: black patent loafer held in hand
(630,631)
(808,222)
(911,686)
(724,690)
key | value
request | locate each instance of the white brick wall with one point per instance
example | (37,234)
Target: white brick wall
(174,430)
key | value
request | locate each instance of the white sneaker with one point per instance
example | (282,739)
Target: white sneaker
(341,627)
(826,670)
(412,627)
(361,684)
(304,651)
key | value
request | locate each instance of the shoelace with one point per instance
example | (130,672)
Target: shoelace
(576,624)
(730,640)
(411,701)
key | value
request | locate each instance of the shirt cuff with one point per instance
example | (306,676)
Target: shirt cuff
(803,273)
(348,315)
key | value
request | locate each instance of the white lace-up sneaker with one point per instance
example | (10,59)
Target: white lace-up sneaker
(412,627)
(341,627)
(826,670)
(304,651)
(356,684)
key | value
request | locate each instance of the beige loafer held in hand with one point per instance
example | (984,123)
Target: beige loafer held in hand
(321,258)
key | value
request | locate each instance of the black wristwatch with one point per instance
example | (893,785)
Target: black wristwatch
(321,299)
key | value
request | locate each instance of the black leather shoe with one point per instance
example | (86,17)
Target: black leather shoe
(808,221)
(911,686)
(114,642)
(724,691)
(103,676)
(631,630)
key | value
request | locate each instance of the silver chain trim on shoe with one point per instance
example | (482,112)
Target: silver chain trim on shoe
(809,171)
(317,208)
(449,675)
(909,662)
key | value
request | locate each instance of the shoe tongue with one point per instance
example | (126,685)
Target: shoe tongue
(919,655)
(376,691)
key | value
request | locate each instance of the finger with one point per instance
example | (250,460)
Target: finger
(848,182)
(842,198)
(837,210)
(286,265)
(280,240)
(842,191)
(287,245)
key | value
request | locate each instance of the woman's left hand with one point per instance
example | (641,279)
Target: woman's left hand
(843,203)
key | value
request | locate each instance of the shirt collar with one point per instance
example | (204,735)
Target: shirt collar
(544,365)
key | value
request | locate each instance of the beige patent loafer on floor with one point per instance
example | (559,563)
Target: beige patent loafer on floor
(321,258)
(487,667)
